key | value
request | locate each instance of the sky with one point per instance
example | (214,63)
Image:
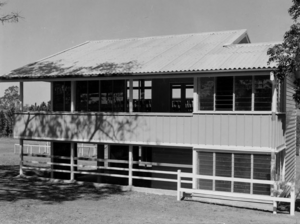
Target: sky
(50,26)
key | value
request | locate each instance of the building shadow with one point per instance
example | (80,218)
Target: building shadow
(14,188)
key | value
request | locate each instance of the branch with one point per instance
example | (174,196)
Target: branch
(10,18)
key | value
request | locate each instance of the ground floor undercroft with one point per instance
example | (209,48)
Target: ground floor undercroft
(154,166)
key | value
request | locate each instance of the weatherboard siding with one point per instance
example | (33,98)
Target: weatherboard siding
(236,130)
(290,134)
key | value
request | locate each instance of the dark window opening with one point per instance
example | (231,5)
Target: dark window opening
(224,93)
(62,96)
(142,96)
(263,93)
(206,95)
(243,93)
(182,98)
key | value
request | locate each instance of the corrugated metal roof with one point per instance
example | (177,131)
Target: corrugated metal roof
(212,51)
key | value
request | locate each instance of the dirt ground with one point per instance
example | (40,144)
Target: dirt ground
(35,201)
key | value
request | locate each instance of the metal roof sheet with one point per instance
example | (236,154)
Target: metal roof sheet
(212,51)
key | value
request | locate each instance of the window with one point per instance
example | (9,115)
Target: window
(142,96)
(243,93)
(206,95)
(224,90)
(240,93)
(263,93)
(106,96)
(113,96)
(234,165)
(61,96)
(182,97)
(87,96)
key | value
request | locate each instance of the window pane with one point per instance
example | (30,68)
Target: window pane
(81,96)
(106,96)
(261,171)
(223,169)
(176,93)
(93,101)
(223,164)
(58,96)
(67,88)
(176,98)
(242,169)
(242,166)
(243,93)
(206,94)
(224,93)
(263,93)
(189,92)
(118,95)
(205,168)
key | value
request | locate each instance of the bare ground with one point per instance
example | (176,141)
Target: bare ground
(35,201)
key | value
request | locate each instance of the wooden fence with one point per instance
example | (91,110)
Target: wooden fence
(130,168)
(181,191)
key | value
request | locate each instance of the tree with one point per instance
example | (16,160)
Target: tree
(11,17)
(286,54)
(10,99)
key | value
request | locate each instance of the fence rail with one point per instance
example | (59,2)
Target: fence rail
(181,191)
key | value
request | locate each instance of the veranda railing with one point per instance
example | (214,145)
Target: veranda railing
(274,199)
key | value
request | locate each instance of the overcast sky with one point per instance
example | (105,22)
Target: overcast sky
(50,26)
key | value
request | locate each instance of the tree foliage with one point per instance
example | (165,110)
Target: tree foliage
(286,54)
(9,18)
(10,99)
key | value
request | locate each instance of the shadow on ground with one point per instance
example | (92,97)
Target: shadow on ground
(14,188)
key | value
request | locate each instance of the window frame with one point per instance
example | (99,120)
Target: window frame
(233,170)
(233,95)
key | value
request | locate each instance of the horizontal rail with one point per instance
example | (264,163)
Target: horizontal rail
(154,171)
(235,195)
(160,179)
(163,164)
(102,174)
(256,181)
(45,169)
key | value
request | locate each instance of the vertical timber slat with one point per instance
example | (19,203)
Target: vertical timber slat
(130,162)
(195,168)
(21,155)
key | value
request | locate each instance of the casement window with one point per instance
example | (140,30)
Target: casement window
(87,96)
(142,96)
(182,97)
(62,96)
(105,96)
(113,96)
(240,93)
(248,166)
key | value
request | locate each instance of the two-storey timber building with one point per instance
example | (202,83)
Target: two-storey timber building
(204,103)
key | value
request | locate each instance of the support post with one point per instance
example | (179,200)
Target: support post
(72,177)
(21,96)
(51,96)
(194,168)
(178,185)
(130,158)
(273,178)
(195,96)
(21,156)
(293,199)
(73,96)
(130,95)
(106,155)
(52,159)
(274,95)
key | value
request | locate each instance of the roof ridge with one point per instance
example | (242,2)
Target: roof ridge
(174,35)
(254,44)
